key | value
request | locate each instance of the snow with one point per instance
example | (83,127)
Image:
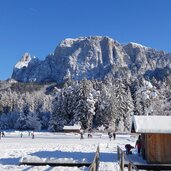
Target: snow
(12,81)
(153,94)
(101,128)
(148,84)
(138,45)
(22,64)
(153,124)
(68,42)
(24,61)
(74,127)
(59,147)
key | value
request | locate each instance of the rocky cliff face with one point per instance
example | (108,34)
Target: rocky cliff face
(92,57)
(110,103)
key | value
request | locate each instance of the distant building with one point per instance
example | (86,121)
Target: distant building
(74,128)
(156,137)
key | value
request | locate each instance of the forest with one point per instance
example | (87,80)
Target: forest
(91,103)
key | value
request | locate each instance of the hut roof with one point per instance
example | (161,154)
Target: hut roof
(152,124)
(74,127)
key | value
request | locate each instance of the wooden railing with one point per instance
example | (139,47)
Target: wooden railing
(95,164)
(121,159)
(121,154)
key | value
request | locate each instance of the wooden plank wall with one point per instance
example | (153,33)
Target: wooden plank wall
(158,148)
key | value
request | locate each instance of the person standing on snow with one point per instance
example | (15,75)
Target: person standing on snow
(21,134)
(110,135)
(114,135)
(138,144)
(32,135)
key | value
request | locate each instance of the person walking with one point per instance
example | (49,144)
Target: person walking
(3,134)
(114,136)
(110,135)
(32,135)
(21,134)
(81,135)
(138,144)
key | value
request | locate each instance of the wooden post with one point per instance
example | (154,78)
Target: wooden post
(122,161)
(129,167)
(118,151)
(95,164)
(98,157)
(94,167)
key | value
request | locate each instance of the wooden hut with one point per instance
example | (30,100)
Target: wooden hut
(73,128)
(156,137)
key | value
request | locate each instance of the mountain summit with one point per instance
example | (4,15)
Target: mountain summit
(92,57)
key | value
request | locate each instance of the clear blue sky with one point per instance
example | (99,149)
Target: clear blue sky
(37,26)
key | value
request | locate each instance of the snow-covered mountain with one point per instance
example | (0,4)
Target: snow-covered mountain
(121,81)
(92,57)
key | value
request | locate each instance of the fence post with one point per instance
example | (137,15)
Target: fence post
(118,151)
(129,167)
(122,161)
(97,158)
(94,167)
(95,164)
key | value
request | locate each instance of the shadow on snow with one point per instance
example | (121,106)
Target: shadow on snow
(60,154)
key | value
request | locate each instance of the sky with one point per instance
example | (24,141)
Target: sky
(38,26)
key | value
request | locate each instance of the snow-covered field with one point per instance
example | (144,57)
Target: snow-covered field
(61,147)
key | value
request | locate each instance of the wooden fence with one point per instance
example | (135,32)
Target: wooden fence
(122,158)
(95,164)
(125,162)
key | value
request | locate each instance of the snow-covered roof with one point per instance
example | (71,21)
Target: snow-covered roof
(152,124)
(74,127)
